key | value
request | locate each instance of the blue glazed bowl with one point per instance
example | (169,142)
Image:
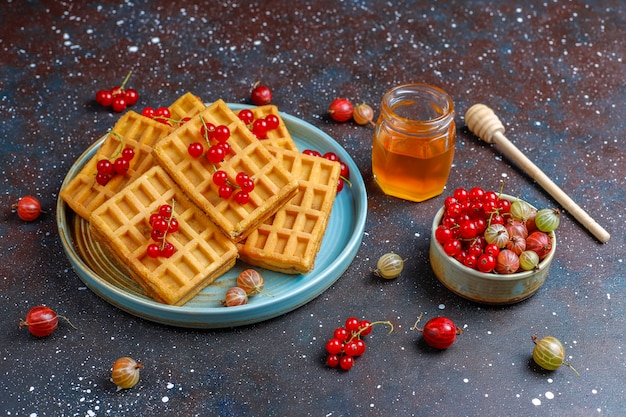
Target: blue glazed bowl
(486,288)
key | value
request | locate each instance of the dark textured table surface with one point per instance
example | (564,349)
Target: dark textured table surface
(552,70)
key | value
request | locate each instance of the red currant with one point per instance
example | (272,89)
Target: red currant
(246,116)
(128,154)
(104,98)
(352,324)
(344,170)
(221,133)
(271,121)
(153,250)
(259,128)
(334,346)
(148,112)
(104,166)
(341,333)
(195,150)
(173,225)
(346,362)
(311,152)
(332,361)
(331,156)
(132,96)
(119,104)
(486,263)
(121,165)
(365,327)
(340,184)
(215,154)
(102,179)
(220,178)
(242,197)
(225,191)
(168,250)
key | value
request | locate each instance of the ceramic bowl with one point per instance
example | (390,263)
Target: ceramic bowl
(486,288)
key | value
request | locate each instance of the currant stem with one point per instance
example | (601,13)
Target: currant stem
(126,79)
(169,221)
(121,148)
(358,333)
(419,318)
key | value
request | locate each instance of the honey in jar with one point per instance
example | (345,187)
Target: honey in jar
(414,141)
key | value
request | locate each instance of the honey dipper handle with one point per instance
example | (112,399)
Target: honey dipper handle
(485,124)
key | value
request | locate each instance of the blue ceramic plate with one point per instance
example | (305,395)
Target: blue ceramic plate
(285,292)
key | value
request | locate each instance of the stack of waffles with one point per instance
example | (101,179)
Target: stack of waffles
(280,228)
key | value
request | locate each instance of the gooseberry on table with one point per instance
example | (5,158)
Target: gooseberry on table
(28,208)
(260,95)
(363,114)
(341,110)
(125,372)
(549,353)
(438,332)
(389,266)
(42,321)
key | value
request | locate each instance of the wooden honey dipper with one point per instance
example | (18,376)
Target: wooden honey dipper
(485,124)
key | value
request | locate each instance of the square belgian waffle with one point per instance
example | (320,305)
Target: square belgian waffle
(289,241)
(122,227)
(273,184)
(83,194)
(278,137)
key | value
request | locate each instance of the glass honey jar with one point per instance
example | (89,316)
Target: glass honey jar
(414,141)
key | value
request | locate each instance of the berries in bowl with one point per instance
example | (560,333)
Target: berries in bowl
(492,248)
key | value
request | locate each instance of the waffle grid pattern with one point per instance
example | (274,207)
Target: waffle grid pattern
(202,252)
(274,185)
(290,240)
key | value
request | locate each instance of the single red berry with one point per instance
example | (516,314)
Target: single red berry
(156,235)
(221,133)
(272,121)
(440,332)
(351,348)
(28,208)
(340,184)
(195,150)
(225,147)
(165,210)
(486,263)
(154,217)
(104,98)
(119,104)
(153,250)
(225,191)
(352,324)
(241,176)
(102,178)
(365,327)
(242,197)
(340,110)
(132,96)
(206,130)
(344,171)
(346,362)
(160,225)
(246,116)
(128,154)
(148,112)
(332,361)
(220,178)
(104,166)
(247,185)
(261,95)
(168,250)
(173,225)
(331,156)
(215,154)
(341,333)
(334,346)
(259,128)
(121,165)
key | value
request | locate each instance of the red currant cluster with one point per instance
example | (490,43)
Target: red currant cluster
(227,188)
(491,234)
(162,222)
(209,132)
(120,165)
(331,156)
(259,127)
(347,343)
(160,114)
(118,97)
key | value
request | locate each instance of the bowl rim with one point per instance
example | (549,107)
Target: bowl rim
(545,262)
